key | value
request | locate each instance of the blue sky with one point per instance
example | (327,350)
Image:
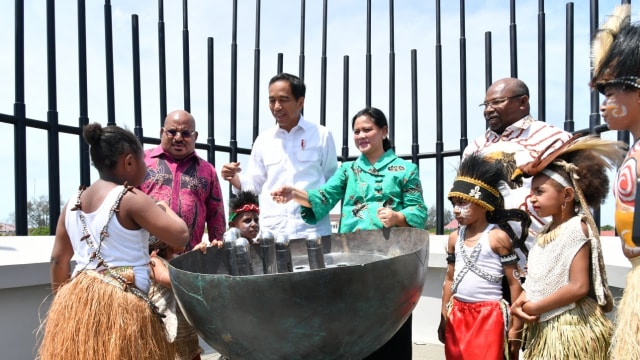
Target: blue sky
(280,31)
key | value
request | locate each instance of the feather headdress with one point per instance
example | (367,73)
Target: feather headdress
(614,52)
(477,181)
(612,151)
(606,35)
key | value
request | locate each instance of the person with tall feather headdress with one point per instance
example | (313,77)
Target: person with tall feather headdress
(566,292)
(616,74)
(475,321)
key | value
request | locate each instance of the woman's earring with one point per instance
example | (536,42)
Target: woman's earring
(563,207)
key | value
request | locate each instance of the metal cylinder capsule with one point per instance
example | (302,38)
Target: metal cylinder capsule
(283,254)
(268,249)
(315,251)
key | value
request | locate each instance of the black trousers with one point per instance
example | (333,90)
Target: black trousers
(399,347)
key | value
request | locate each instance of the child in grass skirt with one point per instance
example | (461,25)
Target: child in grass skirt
(566,293)
(100,309)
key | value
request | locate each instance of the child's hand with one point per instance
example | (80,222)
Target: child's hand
(202,246)
(517,309)
(441,328)
(159,271)
(217,243)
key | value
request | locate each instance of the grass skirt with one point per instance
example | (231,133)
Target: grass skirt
(93,318)
(582,333)
(626,337)
(179,331)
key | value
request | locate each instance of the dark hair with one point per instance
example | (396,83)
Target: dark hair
(490,173)
(298,88)
(377,116)
(107,144)
(243,198)
(591,172)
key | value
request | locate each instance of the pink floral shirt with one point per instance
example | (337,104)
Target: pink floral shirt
(192,189)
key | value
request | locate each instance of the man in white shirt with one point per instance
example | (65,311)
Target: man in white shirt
(295,151)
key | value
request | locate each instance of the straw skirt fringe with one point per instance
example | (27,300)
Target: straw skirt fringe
(90,319)
(582,333)
(626,336)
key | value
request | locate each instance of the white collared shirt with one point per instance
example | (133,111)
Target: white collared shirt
(304,157)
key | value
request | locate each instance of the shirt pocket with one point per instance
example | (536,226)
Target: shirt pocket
(272,158)
(308,155)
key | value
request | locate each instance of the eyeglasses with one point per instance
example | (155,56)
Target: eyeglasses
(184,133)
(496,102)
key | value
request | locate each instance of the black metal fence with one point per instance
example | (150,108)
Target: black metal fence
(430,121)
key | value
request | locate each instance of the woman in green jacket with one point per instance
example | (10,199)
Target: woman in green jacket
(378,190)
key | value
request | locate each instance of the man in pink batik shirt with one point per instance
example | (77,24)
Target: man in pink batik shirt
(188,183)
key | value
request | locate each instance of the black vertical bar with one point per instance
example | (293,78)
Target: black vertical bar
(234,84)
(162,63)
(52,118)
(185,56)
(594,117)
(415,147)
(463,81)
(137,94)
(368,57)
(256,75)
(20,131)
(392,76)
(569,69)
(488,61)
(624,135)
(85,162)
(303,9)
(323,67)
(280,63)
(439,135)
(108,44)
(542,91)
(211,140)
(513,40)
(345,108)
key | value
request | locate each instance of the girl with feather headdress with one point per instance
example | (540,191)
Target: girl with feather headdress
(566,292)
(616,75)
(475,321)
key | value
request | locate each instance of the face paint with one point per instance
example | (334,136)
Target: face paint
(634,251)
(616,110)
(462,209)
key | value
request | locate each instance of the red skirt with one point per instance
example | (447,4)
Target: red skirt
(476,330)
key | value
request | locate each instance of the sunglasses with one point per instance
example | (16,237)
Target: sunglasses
(173,133)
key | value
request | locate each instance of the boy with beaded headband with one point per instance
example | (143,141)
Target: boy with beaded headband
(243,214)
(616,74)
(475,321)
(566,293)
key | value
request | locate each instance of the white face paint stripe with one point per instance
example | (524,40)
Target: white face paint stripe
(616,110)
(463,210)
